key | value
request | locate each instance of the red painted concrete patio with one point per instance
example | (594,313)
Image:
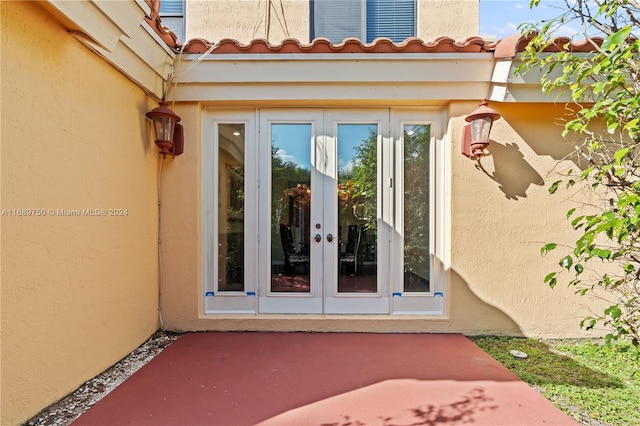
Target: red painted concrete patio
(323,379)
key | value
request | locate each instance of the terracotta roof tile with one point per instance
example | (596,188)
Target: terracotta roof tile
(510,46)
(155,22)
(350,45)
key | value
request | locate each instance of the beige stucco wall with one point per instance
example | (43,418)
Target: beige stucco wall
(458,19)
(500,217)
(78,293)
(502,214)
(245,20)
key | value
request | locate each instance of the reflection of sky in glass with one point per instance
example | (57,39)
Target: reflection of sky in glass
(293,142)
(350,136)
(415,131)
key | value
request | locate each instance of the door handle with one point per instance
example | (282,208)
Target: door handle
(318,238)
(329,237)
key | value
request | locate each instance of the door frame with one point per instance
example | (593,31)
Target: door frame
(359,303)
(433,304)
(323,297)
(286,303)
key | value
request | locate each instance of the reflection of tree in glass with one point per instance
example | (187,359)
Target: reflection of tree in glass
(416,201)
(235,230)
(285,175)
(357,188)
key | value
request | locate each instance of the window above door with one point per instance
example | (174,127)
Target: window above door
(363,19)
(172,13)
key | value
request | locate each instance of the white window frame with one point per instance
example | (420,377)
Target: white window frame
(213,300)
(434,301)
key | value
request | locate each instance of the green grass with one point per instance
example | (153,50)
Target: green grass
(581,378)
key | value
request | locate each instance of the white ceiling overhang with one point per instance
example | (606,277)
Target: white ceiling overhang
(334,78)
(117,31)
(509,85)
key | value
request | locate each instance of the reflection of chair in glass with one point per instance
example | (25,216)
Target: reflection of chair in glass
(351,255)
(292,258)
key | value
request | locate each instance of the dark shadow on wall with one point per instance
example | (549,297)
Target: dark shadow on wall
(476,313)
(511,171)
(556,365)
(543,130)
(540,128)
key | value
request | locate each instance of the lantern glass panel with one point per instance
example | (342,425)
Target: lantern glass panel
(168,128)
(480,128)
(157,126)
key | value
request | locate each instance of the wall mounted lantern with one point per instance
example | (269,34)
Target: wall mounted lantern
(475,135)
(169,134)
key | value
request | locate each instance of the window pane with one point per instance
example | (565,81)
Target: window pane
(336,19)
(393,19)
(171,7)
(175,25)
(357,212)
(416,208)
(290,207)
(231,207)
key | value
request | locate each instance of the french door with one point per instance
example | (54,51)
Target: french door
(325,211)
(325,248)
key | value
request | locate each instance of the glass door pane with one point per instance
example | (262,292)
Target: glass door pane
(357,208)
(290,207)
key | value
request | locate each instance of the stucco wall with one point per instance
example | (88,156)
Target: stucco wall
(246,20)
(502,214)
(78,292)
(458,19)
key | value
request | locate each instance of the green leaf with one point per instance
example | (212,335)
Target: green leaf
(616,38)
(591,323)
(570,212)
(619,155)
(549,277)
(579,268)
(554,187)
(566,262)
(576,221)
(613,311)
(628,268)
(547,248)
(587,172)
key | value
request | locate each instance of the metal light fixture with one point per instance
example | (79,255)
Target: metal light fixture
(475,135)
(169,134)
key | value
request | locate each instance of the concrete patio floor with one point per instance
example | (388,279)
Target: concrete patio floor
(323,379)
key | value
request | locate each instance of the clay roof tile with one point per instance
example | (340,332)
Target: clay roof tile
(349,45)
